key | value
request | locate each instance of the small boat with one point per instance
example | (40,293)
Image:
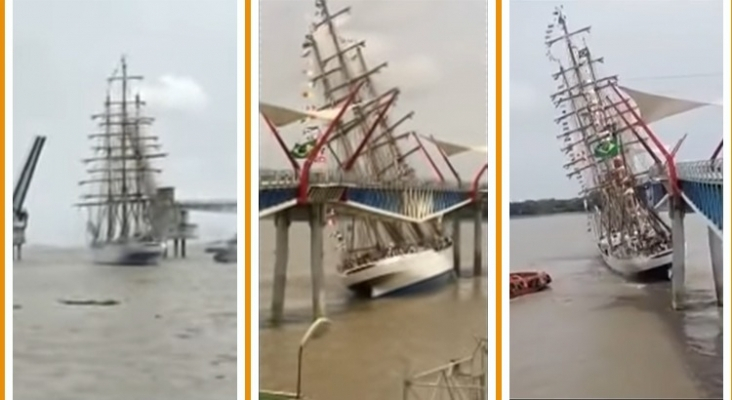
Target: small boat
(224,252)
(528,282)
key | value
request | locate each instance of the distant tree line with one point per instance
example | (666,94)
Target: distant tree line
(546,207)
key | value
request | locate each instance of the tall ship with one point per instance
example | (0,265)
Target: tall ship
(121,189)
(609,155)
(376,257)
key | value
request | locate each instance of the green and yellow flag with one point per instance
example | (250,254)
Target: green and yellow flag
(607,149)
(301,150)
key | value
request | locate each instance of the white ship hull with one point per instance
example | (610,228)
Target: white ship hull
(399,272)
(638,265)
(128,253)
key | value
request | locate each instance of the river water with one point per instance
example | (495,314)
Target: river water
(172,335)
(372,344)
(596,335)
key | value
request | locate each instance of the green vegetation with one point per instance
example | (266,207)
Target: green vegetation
(546,207)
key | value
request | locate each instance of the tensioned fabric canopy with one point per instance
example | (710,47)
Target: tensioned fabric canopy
(655,107)
(450,148)
(283,116)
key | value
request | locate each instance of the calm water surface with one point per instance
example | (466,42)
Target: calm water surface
(173,335)
(595,334)
(372,345)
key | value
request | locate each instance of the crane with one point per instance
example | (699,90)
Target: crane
(20,191)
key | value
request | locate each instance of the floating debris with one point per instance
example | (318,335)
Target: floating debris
(17,306)
(89,302)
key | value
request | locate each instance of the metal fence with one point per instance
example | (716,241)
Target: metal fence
(463,379)
(706,171)
(270,178)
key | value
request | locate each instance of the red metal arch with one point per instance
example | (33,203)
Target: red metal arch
(278,138)
(322,140)
(670,162)
(476,182)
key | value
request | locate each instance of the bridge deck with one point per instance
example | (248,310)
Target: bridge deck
(702,188)
(416,201)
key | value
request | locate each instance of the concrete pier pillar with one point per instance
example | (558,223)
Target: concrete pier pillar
(716,251)
(317,222)
(678,264)
(456,245)
(18,252)
(175,248)
(282,251)
(478,240)
(183,248)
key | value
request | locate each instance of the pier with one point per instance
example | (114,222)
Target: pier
(692,187)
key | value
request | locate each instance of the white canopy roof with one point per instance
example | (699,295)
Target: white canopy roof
(450,149)
(655,107)
(283,116)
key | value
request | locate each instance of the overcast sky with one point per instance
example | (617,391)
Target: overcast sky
(63,52)
(639,39)
(436,50)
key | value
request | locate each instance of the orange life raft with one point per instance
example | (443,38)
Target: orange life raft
(528,282)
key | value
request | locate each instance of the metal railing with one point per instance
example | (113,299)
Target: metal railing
(287,178)
(460,379)
(706,171)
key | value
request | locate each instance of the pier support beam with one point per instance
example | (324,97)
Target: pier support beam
(456,245)
(478,240)
(175,248)
(716,251)
(678,264)
(317,222)
(182,248)
(282,251)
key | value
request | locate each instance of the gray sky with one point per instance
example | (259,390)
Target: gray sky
(639,39)
(63,53)
(436,51)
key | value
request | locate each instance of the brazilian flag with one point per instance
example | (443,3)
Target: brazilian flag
(607,149)
(302,150)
